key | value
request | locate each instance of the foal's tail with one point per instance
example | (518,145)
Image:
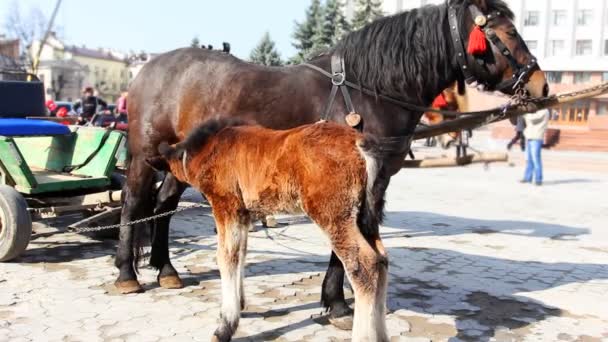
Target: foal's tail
(371,212)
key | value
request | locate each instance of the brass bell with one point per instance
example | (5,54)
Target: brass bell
(353,119)
(481,20)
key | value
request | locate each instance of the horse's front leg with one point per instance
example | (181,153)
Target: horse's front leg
(137,192)
(168,198)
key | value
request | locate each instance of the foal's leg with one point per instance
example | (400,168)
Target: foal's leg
(167,200)
(232,229)
(137,192)
(366,267)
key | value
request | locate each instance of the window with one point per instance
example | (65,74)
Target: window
(554,76)
(582,77)
(605,77)
(559,17)
(555,48)
(583,47)
(531,18)
(584,17)
(532,45)
(606,47)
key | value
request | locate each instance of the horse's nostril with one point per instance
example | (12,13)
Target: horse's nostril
(546,89)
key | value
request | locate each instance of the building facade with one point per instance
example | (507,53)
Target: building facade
(66,70)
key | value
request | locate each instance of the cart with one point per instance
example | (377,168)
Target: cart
(48,170)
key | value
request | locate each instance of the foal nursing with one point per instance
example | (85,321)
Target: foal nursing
(325,170)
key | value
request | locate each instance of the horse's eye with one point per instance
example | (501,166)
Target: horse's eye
(512,33)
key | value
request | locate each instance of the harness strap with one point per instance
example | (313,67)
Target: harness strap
(403,104)
(338,79)
(461,55)
(330,103)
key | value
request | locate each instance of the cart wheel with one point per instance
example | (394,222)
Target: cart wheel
(15,224)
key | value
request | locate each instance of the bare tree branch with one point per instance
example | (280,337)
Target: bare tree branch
(25,28)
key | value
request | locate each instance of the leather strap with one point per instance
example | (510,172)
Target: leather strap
(338,79)
(461,55)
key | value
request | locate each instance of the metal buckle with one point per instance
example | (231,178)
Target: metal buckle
(338,78)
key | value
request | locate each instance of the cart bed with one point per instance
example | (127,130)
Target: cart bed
(38,164)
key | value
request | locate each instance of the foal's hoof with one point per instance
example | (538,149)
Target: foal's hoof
(342,323)
(129,286)
(171,282)
(271,222)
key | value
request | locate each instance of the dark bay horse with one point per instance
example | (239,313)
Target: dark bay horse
(246,171)
(411,56)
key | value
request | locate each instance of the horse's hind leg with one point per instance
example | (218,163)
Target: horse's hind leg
(137,191)
(232,227)
(367,269)
(332,295)
(167,200)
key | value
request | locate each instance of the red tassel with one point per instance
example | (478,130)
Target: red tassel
(440,102)
(477,42)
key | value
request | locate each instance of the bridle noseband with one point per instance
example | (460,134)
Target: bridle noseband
(521,72)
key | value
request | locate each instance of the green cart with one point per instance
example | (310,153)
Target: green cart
(48,170)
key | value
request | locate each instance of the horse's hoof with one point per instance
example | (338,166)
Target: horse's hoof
(129,286)
(342,323)
(172,282)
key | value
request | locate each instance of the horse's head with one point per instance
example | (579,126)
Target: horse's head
(490,51)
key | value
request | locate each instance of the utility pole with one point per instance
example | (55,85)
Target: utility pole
(44,39)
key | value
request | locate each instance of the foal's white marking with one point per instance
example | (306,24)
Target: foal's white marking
(232,277)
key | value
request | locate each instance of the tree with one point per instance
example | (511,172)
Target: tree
(25,28)
(265,52)
(305,31)
(366,11)
(331,27)
(195,43)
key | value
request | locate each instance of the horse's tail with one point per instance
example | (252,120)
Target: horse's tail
(371,210)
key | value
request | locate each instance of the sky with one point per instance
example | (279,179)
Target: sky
(163,25)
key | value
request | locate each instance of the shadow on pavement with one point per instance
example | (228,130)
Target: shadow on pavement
(416,224)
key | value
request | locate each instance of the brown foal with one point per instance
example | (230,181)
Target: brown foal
(325,170)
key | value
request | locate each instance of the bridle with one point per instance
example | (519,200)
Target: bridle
(467,63)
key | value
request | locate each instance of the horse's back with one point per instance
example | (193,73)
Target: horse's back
(181,89)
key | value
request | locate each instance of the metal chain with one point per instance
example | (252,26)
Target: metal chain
(146,219)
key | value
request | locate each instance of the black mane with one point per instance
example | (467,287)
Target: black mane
(406,55)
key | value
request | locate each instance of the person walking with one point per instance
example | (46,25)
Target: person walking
(519,135)
(536,125)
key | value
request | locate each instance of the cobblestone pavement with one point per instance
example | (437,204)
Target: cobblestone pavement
(474,256)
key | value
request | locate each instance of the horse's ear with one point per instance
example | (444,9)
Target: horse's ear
(481,4)
(158,163)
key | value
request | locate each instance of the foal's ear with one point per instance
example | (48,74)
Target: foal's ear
(481,4)
(158,163)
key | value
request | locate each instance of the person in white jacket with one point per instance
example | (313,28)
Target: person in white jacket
(536,125)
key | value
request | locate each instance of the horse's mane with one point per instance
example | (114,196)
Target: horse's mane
(406,55)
